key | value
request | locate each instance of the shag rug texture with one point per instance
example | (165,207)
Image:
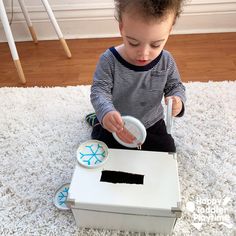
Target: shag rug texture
(41,129)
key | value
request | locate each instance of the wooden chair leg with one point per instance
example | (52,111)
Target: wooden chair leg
(33,34)
(20,71)
(29,23)
(65,47)
(56,27)
(11,42)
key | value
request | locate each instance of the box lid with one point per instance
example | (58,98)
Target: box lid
(131,181)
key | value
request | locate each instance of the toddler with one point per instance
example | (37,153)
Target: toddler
(132,78)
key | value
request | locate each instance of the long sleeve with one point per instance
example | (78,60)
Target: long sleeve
(174,86)
(101,89)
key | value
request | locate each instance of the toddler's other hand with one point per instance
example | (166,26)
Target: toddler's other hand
(113,122)
(176,105)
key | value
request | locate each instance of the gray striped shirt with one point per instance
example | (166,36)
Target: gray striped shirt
(135,90)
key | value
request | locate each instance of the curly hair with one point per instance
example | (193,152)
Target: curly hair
(149,9)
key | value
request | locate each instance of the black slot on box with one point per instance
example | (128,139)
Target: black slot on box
(116,177)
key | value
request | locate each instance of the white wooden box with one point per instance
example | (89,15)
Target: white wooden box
(151,206)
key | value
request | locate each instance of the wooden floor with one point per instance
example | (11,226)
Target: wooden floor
(203,57)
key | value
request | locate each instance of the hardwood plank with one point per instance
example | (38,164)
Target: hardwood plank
(200,57)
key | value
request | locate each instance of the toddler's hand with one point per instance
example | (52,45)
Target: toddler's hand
(126,136)
(176,105)
(113,122)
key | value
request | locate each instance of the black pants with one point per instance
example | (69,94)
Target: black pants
(157,138)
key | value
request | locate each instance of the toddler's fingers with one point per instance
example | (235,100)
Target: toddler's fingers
(176,109)
(126,136)
(117,117)
(176,99)
(110,124)
(123,137)
(175,112)
(118,122)
(110,127)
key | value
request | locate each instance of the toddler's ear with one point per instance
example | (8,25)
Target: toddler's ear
(120,27)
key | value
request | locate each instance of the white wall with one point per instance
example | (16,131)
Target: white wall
(95,18)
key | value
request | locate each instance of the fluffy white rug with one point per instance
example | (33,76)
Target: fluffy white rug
(41,128)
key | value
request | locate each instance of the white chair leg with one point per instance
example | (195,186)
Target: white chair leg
(56,27)
(29,23)
(11,42)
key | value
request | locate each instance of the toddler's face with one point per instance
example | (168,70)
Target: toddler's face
(143,41)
